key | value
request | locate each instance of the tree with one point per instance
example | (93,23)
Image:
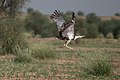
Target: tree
(69,12)
(116,31)
(34,22)
(80,26)
(80,13)
(10,7)
(117,14)
(111,26)
(30,10)
(92,18)
(39,24)
(92,30)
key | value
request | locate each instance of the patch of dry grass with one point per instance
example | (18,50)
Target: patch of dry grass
(67,64)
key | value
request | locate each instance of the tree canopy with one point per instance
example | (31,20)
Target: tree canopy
(10,7)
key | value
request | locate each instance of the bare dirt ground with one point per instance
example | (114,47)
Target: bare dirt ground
(115,60)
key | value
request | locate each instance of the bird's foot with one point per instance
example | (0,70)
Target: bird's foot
(69,47)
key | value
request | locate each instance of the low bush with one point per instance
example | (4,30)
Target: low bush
(11,35)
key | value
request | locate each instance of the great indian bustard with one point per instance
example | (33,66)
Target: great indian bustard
(65,29)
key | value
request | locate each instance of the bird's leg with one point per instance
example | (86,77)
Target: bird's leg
(65,43)
(76,37)
(68,43)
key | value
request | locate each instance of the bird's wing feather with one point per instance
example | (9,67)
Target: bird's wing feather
(58,19)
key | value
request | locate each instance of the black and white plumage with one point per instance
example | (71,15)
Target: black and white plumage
(65,29)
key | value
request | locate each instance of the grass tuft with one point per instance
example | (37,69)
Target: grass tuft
(23,56)
(100,68)
(44,53)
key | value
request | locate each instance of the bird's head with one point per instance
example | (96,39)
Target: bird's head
(73,16)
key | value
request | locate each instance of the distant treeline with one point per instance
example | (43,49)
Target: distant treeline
(90,25)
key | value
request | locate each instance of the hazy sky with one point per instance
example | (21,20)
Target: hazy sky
(100,7)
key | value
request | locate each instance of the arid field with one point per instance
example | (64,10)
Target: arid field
(48,59)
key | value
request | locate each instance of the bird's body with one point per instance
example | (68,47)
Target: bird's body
(65,29)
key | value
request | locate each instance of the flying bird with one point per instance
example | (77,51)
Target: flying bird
(65,29)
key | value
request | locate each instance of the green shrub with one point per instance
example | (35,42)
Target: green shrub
(100,68)
(92,30)
(11,35)
(92,18)
(110,26)
(101,36)
(110,35)
(39,24)
(23,56)
(44,53)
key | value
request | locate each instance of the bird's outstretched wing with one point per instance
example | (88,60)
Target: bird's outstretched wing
(58,19)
